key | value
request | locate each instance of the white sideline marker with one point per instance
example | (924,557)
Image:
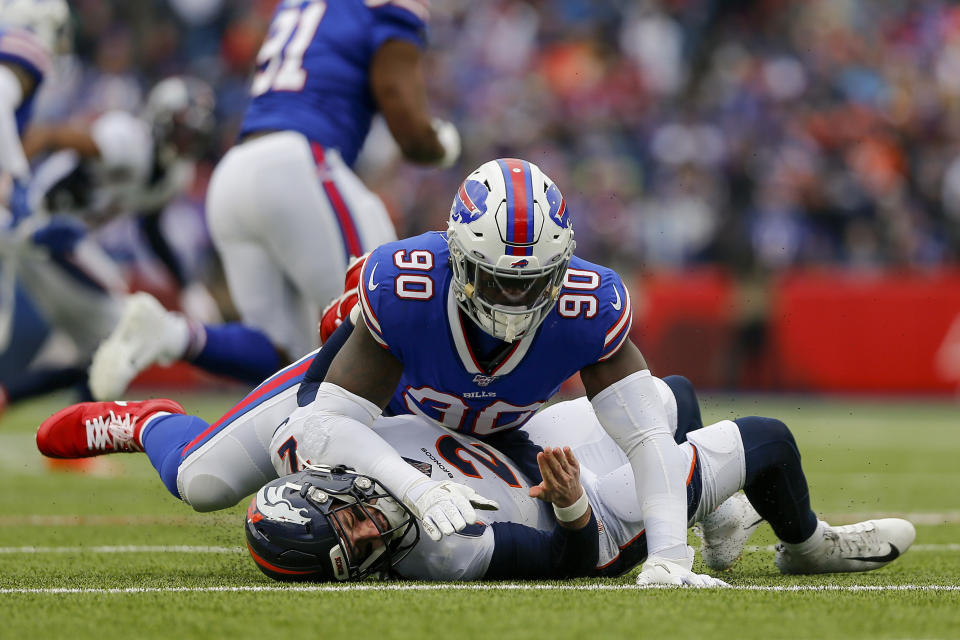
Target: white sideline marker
(469,587)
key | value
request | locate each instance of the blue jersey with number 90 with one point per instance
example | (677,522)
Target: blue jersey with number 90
(313,68)
(408,305)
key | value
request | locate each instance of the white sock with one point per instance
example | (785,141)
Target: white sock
(811,543)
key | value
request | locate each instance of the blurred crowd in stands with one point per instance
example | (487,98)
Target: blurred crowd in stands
(755,134)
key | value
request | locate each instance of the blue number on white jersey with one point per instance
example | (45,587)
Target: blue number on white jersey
(407,304)
(313,67)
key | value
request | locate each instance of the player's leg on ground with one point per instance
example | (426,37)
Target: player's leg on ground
(231,458)
(776,486)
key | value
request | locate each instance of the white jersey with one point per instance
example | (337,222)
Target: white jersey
(447,455)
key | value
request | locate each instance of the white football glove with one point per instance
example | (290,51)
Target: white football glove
(449,139)
(659,572)
(445,507)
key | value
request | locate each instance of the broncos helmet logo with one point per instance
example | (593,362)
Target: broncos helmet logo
(471,202)
(558,207)
(271,505)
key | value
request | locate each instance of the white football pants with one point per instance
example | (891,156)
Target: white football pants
(285,217)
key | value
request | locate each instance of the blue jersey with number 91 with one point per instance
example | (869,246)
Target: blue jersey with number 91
(408,305)
(313,68)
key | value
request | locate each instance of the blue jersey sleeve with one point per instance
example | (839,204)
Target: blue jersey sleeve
(400,20)
(596,304)
(525,553)
(375,292)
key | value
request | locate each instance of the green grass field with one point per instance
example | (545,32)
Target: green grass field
(108,553)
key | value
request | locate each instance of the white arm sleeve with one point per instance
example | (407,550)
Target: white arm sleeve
(632,412)
(12,158)
(337,431)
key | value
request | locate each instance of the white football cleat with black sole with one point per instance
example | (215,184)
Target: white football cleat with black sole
(863,546)
(724,532)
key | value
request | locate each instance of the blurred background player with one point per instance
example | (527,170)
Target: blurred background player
(286,211)
(121,164)
(32,32)
(127,164)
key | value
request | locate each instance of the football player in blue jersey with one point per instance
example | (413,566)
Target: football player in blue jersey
(286,211)
(475,330)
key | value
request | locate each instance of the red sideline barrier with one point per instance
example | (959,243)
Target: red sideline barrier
(683,323)
(853,332)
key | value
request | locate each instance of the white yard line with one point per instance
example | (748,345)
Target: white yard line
(466,587)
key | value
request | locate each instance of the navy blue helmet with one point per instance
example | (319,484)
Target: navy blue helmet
(298,527)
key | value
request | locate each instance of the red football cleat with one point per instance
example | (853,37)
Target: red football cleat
(94,428)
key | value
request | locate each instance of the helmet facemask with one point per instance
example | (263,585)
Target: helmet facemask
(507,302)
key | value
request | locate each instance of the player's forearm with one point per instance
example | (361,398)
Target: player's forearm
(631,412)
(337,431)
(12,158)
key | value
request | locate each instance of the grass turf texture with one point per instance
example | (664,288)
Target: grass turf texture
(115,527)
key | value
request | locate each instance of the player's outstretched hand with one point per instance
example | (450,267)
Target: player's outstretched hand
(561,477)
(658,572)
(445,507)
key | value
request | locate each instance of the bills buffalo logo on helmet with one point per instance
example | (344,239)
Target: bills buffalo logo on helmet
(558,207)
(471,202)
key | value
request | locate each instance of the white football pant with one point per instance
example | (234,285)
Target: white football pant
(283,216)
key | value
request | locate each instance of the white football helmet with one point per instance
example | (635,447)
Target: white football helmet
(510,242)
(46,19)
